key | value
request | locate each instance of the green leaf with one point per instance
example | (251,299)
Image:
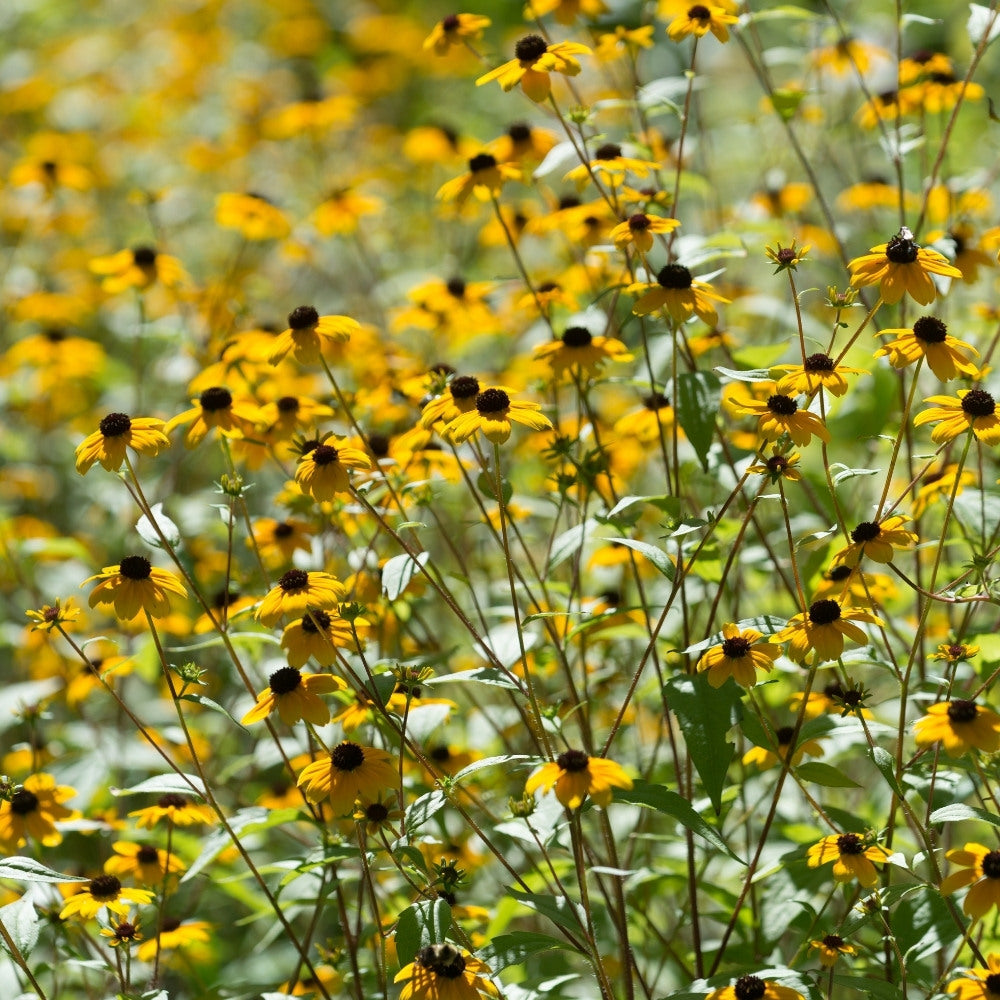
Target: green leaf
(243,821)
(875,989)
(558,909)
(424,808)
(21,922)
(671,804)
(488,487)
(28,870)
(655,555)
(200,699)
(419,925)
(399,570)
(629,509)
(824,774)
(570,542)
(510,761)
(958,811)
(163,784)
(697,409)
(515,948)
(705,715)
(482,675)
(885,762)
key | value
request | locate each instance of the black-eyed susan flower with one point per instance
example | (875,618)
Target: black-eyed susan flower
(298,592)
(787,744)
(455,29)
(103,893)
(484,179)
(278,541)
(252,215)
(522,141)
(55,615)
(33,811)
(639,229)
(319,635)
(574,775)
(740,655)
(679,294)
(215,408)
(899,267)
(979,869)
(380,814)
(877,540)
(959,725)
(830,948)
(818,371)
(847,56)
(852,858)
(145,863)
(444,972)
(534,59)
(138,268)
(308,983)
(116,432)
(754,988)
(125,930)
(565,11)
(494,415)
(308,333)
(610,165)
(623,41)
(341,211)
(177,810)
(655,417)
(173,934)
(822,629)
(696,19)
(580,353)
(458,397)
(973,409)
(778,466)
(349,772)
(322,472)
(295,696)
(135,586)
(947,356)
(955,652)
(978,983)
(780,414)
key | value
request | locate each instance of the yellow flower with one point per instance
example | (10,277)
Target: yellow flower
(533,61)
(754,988)
(574,776)
(679,294)
(780,414)
(622,41)
(979,983)
(147,864)
(348,773)
(33,811)
(341,210)
(138,268)
(174,933)
(982,873)
(696,19)
(647,424)
(278,541)
(53,615)
(929,338)
(818,372)
(901,266)
(877,541)
(123,931)
(955,652)
(215,407)
(830,948)
(298,592)
(638,231)
(252,215)
(453,30)
(116,432)
(485,179)
(308,333)
(319,635)
(851,858)
(739,656)
(611,165)
(823,628)
(443,972)
(134,586)
(765,757)
(778,466)
(960,725)
(103,893)
(580,353)
(566,11)
(974,409)
(494,415)
(294,695)
(177,810)
(322,472)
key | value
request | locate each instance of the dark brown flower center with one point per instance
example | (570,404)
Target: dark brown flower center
(294,580)
(609,151)
(311,620)
(785,255)
(347,756)
(674,276)
(284,530)
(781,405)
(850,843)
(378,444)
(819,363)
(834,941)
(961,710)
(302,317)
(450,23)
(215,399)
(464,387)
(839,573)
(824,612)
(481,162)
(147,855)
(440,754)
(777,463)
(126,931)
(978,403)
(866,531)
(930,330)
(376,812)
(736,648)
(288,404)
(785,736)
(284,681)
(992,983)
(105,887)
(172,801)
(655,401)
(325,454)
(115,425)
(144,256)
(530,48)
(577,336)
(991,864)
(699,12)
(23,802)
(749,987)
(573,761)
(901,249)
(639,222)
(456,287)
(519,132)
(492,401)
(135,568)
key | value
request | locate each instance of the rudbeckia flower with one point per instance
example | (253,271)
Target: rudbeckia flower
(177,810)
(143,862)
(638,231)
(740,656)
(318,635)
(647,424)
(765,757)
(565,11)
(346,774)
(877,541)
(696,19)
(458,397)
(778,466)
(780,414)
(960,725)
(830,948)
(981,872)
(974,408)
(138,268)
(322,471)
(294,696)
(938,485)
(116,432)
(754,988)
(134,586)
(947,356)
(341,210)
(33,811)
(533,61)
(298,592)
(494,415)
(215,407)
(103,893)
(308,333)
(823,629)
(443,972)
(484,179)
(679,294)
(955,652)
(174,933)
(817,372)
(454,30)
(851,858)
(610,164)
(580,353)
(978,983)
(574,775)
(252,215)
(278,541)
(901,266)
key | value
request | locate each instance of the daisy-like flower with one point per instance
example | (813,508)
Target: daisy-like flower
(955,652)
(348,773)
(252,215)
(696,19)
(278,541)
(877,541)
(103,893)
(318,635)
(780,414)
(177,810)
(639,229)
(740,656)
(574,776)
(981,871)
(54,615)
(484,179)
(143,862)
(298,592)
(973,408)
(295,696)
(624,41)
(565,11)
(947,356)
(138,268)
(174,933)
(754,988)
(308,333)
(533,61)
(765,757)
(979,983)
(33,811)
(901,266)
(646,424)
(126,930)
(455,29)
(778,466)
(580,353)
(786,258)
(851,858)
(341,211)
(215,407)
(444,972)
(830,948)
(817,372)
(494,415)
(938,485)
(458,397)
(322,471)
(134,586)
(116,432)
(822,629)
(611,164)
(960,725)
(679,294)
